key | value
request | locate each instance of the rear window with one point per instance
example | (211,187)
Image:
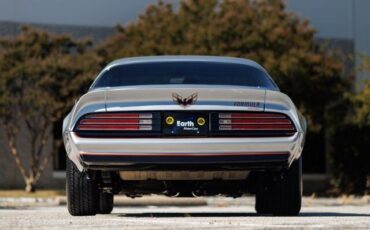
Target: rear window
(167,73)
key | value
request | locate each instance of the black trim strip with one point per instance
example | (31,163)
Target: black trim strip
(184,159)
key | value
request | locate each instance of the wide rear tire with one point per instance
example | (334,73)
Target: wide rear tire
(280,193)
(82,192)
(105,203)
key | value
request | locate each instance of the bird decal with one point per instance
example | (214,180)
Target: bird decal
(184,101)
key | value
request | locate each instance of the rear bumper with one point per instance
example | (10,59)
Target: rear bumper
(188,162)
(121,153)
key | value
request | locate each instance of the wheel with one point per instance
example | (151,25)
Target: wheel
(105,203)
(280,193)
(82,192)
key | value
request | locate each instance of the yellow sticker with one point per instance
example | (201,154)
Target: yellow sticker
(201,121)
(170,120)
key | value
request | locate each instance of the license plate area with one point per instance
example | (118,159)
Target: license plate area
(185,124)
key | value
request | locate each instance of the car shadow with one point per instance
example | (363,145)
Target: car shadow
(9,208)
(333,214)
(187,214)
(233,214)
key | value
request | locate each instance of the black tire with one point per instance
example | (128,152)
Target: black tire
(280,194)
(105,203)
(263,204)
(82,192)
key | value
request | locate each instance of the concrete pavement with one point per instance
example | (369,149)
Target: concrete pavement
(218,213)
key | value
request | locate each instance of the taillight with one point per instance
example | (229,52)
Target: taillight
(252,124)
(117,124)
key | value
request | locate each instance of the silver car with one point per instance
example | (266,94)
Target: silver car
(184,126)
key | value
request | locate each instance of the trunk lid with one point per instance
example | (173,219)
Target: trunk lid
(184,97)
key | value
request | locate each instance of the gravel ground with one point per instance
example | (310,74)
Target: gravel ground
(218,214)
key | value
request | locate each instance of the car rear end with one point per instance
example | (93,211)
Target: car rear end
(129,138)
(160,133)
(182,139)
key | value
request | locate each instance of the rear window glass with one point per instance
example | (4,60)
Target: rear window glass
(167,73)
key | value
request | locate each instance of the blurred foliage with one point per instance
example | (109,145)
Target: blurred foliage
(350,159)
(362,106)
(349,137)
(362,100)
(260,30)
(40,74)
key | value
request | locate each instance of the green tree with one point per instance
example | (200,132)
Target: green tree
(40,74)
(349,137)
(261,30)
(362,99)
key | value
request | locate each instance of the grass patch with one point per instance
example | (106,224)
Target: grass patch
(39,193)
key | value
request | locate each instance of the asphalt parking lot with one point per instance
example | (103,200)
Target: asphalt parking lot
(221,214)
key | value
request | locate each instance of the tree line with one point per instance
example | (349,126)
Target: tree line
(41,75)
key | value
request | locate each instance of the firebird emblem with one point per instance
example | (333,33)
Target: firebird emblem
(184,101)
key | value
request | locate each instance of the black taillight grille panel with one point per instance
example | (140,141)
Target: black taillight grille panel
(151,124)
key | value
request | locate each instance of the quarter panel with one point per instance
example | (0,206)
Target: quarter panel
(93,101)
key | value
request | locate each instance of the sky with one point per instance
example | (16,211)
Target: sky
(73,12)
(333,18)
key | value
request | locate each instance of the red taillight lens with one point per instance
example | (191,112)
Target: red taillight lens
(251,115)
(254,122)
(116,122)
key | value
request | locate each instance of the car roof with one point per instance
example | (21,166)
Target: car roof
(184,58)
